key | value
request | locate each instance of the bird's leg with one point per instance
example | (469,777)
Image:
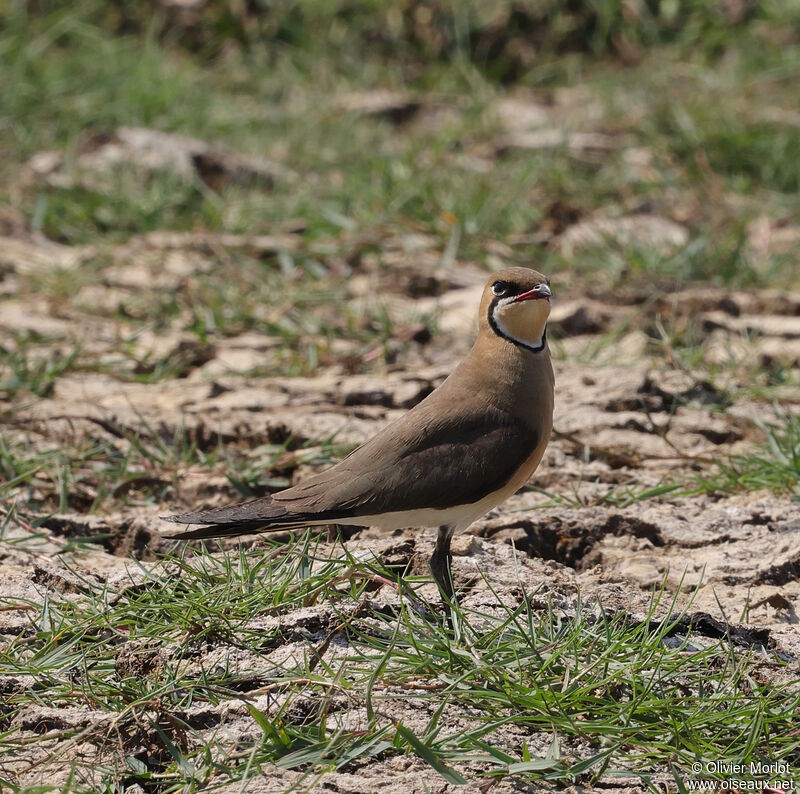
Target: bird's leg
(440,565)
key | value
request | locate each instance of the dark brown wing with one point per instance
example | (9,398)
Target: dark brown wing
(439,466)
(240,519)
(408,466)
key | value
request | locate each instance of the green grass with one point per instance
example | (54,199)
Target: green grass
(24,369)
(143,468)
(605,694)
(776,466)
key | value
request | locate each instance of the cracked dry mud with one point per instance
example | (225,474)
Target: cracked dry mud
(623,420)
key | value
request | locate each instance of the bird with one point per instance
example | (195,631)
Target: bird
(465,448)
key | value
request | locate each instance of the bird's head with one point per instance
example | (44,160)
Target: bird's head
(515,306)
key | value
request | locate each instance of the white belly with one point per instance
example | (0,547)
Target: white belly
(460,516)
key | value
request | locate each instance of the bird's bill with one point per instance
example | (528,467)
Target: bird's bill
(540,291)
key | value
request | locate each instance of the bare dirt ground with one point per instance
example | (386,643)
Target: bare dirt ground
(625,422)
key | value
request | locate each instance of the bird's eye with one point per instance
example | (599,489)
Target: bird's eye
(499,288)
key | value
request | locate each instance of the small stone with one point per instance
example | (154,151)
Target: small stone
(464,545)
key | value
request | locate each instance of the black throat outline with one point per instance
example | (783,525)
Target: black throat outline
(493,325)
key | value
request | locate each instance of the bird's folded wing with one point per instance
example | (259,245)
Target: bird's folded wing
(439,465)
(434,465)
